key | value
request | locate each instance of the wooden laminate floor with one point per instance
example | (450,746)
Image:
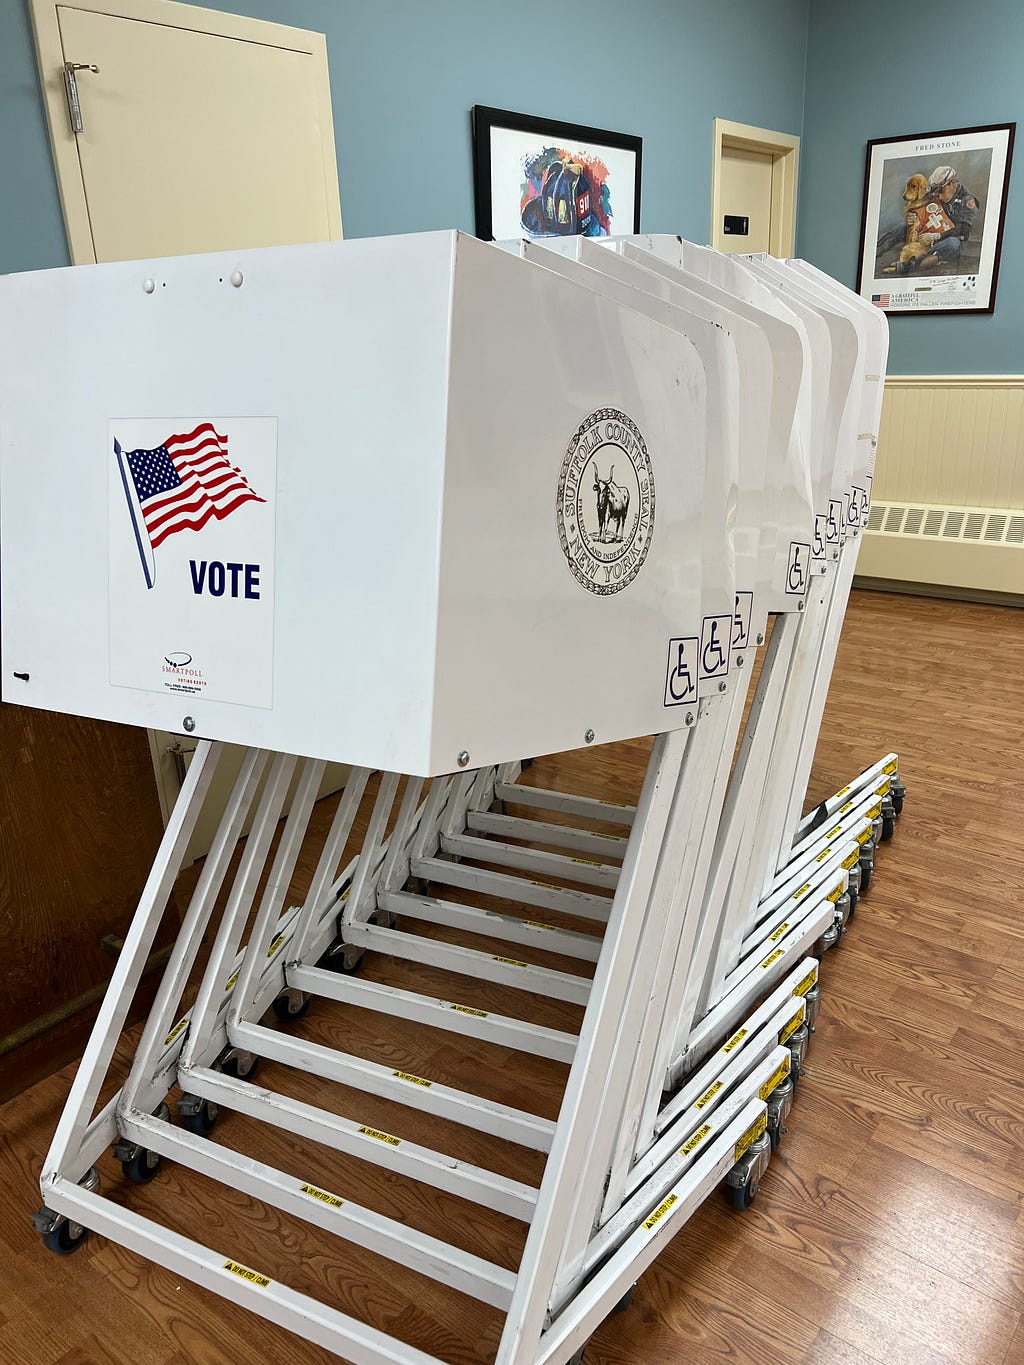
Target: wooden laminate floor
(890,1226)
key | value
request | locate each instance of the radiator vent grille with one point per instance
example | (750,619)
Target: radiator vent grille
(993,526)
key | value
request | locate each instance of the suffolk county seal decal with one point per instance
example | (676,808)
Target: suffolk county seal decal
(606,502)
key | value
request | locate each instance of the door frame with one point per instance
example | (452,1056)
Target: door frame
(785,153)
(170,14)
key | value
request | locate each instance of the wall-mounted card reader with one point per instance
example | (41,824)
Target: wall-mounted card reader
(736,225)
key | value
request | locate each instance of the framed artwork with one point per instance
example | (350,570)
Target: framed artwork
(932,225)
(538,178)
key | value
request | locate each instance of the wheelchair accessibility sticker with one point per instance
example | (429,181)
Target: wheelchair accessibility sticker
(715,645)
(681,674)
(835,521)
(858,506)
(741,619)
(820,534)
(796,573)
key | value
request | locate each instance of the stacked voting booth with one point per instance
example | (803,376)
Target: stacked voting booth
(432,507)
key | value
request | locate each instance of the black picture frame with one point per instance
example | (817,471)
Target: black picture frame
(922,285)
(488,122)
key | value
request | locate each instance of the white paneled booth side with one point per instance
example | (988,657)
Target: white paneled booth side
(432,508)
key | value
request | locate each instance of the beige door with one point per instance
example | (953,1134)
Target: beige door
(198,132)
(754,177)
(746,194)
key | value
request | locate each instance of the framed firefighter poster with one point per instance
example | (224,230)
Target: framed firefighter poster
(932,227)
(538,178)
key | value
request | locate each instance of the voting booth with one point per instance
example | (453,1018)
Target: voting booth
(433,508)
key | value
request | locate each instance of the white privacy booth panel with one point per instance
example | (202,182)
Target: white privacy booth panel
(844,387)
(628,283)
(330,500)
(702,649)
(876,328)
(780,498)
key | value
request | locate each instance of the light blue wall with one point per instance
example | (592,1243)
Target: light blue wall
(878,69)
(405,73)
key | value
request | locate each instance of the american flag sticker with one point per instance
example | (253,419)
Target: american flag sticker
(180,485)
(881,300)
(192,558)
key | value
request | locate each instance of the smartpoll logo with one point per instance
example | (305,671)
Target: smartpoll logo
(183,484)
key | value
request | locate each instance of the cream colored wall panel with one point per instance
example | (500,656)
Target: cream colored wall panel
(952,440)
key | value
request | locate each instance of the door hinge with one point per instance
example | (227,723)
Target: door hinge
(71,90)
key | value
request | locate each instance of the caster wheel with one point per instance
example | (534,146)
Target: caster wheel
(143,1166)
(776,1137)
(740,1196)
(341,962)
(866,873)
(888,827)
(854,899)
(287,1009)
(65,1239)
(897,801)
(246,1071)
(202,1122)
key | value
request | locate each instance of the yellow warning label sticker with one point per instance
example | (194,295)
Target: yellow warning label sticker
(772,957)
(708,1095)
(244,1273)
(413,1080)
(464,1009)
(864,835)
(539,924)
(841,792)
(851,858)
(835,893)
(779,1074)
(843,809)
(178,1028)
(884,788)
(774,937)
(275,945)
(616,805)
(695,1141)
(230,982)
(833,832)
(802,987)
(381,1137)
(799,895)
(587,862)
(322,1196)
(735,1040)
(751,1135)
(660,1211)
(825,853)
(548,886)
(891,767)
(875,810)
(344,894)
(791,1028)
(509,961)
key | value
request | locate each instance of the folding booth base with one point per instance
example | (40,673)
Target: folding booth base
(446,1175)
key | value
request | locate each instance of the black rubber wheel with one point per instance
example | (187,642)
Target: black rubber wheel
(888,827)
(143,1166)
(854,898)
(65,1239)
(234,1068)
(286,1012)
(897,801)
(203,1121)
(739,1196)
(776,1137)
(866,873)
